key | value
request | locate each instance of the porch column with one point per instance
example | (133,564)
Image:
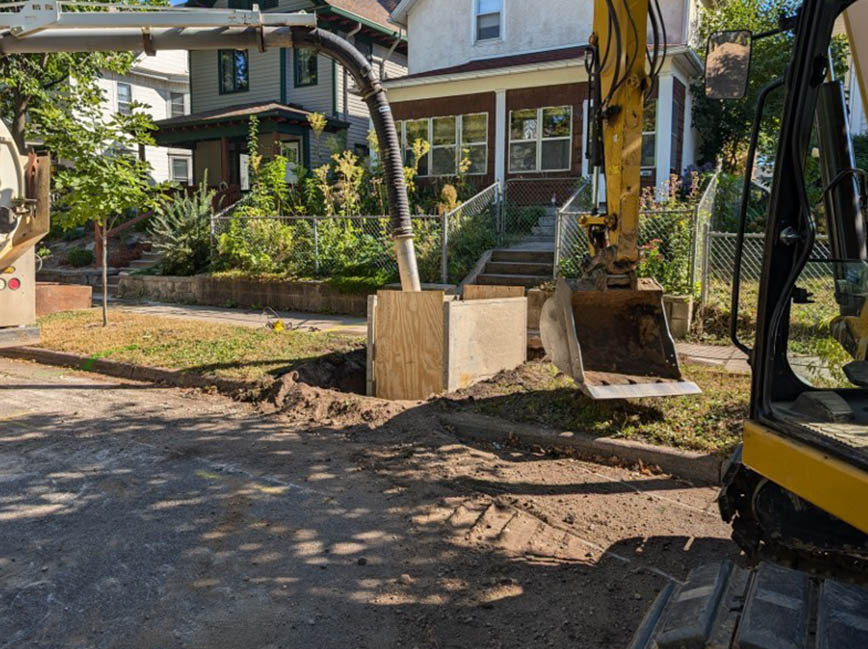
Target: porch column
(500,137)
(224,159)
(663,137)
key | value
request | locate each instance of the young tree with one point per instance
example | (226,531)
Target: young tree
(99,177)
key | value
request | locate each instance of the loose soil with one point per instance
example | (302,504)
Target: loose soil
(138,516)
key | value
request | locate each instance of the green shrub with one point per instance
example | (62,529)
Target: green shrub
(181,229)
(79,257)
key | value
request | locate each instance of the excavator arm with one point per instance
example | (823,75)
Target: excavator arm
(608,329)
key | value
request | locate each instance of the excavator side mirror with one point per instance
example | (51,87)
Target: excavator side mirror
(727,64)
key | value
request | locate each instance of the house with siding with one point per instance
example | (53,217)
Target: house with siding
(506,80)
(160,83)
(282,87)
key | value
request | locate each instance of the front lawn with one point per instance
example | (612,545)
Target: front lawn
(536,393)
(214,349)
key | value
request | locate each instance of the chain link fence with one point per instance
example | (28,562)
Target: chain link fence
(671,244)
(817,276)
(447,245)
(530,208)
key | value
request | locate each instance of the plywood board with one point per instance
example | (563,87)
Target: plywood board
(481,292)
(372,349)
(409,344)
(483,338)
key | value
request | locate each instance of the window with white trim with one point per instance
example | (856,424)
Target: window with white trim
(540,139)
(125,98)
(177,104)
(453,139)
(649,136)
(180,169)
(488,17)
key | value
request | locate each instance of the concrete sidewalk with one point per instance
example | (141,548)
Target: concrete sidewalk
(715,355)
(245,317)
(726,356)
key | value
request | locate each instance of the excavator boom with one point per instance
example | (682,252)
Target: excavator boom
(608,331)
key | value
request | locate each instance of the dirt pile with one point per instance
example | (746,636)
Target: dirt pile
(303,402)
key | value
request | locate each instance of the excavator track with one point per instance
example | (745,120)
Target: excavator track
(723,606)
(772,524)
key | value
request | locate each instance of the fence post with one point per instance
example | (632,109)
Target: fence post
(706,254)
(213,229)
(557,258)
(315,248)
(444,248)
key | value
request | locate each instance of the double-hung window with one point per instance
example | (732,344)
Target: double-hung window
(306,67)
(649,135)
(125,98)
(474,142)
(540,139)
(234,71)
(488,19)
(454,140)
(180,170)
(177,105)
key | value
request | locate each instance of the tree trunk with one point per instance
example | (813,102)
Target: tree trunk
(19,122)
(103,232)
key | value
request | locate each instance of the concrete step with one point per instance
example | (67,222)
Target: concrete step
(518,268)
(528,281)
(543,231)
(524,256)
(143,263)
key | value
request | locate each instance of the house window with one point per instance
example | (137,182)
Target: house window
(488,19)
(443,146)
(474,142)
(177,105)
(416,129)
(180,169)
(291,150)
(649,135)
(452,139)
(234,71)
(125,98)
(306,67)
(540,139)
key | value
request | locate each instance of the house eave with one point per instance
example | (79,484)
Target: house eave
(681,51)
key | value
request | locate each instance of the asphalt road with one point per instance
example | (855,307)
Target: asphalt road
(138,516)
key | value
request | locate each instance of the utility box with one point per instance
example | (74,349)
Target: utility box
(421,344)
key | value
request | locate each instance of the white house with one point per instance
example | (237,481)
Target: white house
(507,79)
(162,84)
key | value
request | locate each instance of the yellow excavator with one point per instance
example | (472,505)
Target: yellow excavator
(608,330)
(796,490)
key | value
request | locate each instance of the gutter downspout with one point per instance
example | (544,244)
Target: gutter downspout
(388,56)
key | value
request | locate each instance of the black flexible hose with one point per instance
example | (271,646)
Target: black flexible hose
(381,115)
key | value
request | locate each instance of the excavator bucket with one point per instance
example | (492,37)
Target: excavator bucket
(615,343)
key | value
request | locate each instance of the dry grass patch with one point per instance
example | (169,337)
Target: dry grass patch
(537,393)
(196,346)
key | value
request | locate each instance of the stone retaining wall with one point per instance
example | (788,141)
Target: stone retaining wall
(311,296)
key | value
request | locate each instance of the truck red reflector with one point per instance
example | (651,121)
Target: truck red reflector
(14,284)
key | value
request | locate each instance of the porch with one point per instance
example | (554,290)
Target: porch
(219,140)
